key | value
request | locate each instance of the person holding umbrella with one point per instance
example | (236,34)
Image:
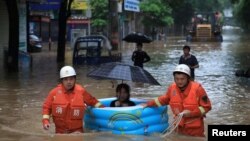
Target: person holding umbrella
(139,57)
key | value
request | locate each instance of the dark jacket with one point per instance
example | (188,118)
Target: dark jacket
(129,103)
(140,57)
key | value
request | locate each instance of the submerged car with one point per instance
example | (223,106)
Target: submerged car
(34,43)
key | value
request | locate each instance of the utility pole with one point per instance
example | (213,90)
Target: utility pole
(113,23)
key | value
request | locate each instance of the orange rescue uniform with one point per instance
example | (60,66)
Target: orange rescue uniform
(67,109)
(194,99)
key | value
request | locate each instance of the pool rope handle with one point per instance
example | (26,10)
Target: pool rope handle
(174,124)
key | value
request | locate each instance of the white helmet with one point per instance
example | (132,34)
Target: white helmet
(182,68)
(67,71)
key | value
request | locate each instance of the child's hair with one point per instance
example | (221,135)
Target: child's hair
(186,47)
(126,88)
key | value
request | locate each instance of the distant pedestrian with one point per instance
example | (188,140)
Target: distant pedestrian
(139,56)
(189,60)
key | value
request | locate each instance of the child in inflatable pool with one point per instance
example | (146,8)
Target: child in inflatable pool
(123,96)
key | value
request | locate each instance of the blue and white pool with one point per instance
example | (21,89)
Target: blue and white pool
(132,120)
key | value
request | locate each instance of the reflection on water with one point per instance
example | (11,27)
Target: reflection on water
(22,94)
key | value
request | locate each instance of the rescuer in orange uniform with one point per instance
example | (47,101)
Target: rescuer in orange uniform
(67,103)
(188,98)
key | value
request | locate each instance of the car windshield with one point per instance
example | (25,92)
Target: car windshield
(87,44)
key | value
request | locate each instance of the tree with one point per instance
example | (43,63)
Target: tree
(64,14)
(155,13)
(225,4)
(182,12)
(234,1)
(207,5)
(242,13)
(99,10)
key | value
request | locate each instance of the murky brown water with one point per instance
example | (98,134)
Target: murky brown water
(22,94)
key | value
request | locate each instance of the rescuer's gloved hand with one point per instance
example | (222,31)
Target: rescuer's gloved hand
(186,113)
(144,105)
(46,124)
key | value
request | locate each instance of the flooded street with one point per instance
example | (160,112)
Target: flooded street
(22,94)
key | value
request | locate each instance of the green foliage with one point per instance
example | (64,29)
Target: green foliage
(242,13)
(207,5)
(160,13)
(225,4)
(99,10)
(234,1)
(99,23)
(155,13)
(182,12)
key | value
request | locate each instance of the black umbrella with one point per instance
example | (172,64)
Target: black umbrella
(137,38)
(120,71)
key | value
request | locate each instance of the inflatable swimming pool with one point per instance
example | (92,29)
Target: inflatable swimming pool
(127,120)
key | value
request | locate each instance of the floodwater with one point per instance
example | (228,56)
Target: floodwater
(22,94)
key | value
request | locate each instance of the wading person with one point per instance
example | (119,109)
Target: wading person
(189,60)
(66,104)
(187,98)
(139,57)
